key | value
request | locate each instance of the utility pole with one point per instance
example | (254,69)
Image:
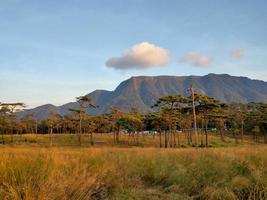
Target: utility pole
(194,112)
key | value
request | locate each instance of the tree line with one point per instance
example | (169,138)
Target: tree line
(195,116)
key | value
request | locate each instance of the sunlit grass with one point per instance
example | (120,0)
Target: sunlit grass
(133,173)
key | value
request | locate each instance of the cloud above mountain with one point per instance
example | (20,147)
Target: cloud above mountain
(238,53)
(196,59)
(141,56)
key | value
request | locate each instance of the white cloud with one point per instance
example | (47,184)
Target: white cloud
(238,53)
(140,56)
(196,59)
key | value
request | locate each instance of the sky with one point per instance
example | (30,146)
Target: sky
(55,50)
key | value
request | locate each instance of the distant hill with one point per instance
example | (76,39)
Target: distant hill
(143,91)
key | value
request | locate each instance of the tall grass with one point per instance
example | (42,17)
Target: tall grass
(136,173)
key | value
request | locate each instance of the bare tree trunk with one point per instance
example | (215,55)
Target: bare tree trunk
(12,135)
(174,140)
(129,138)
(202,132)
(206,133)
(221,135)
(178,139)
(91,139)
(137,137)
(80,131)
(242,131)
(3,139)
(194,114)
(51,133)
(189,137)
(235,137)
(170,138)
(118,135)
(160,139)
(166,139)
(114,136)
(36,127)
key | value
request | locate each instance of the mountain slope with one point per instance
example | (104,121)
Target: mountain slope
(143,91)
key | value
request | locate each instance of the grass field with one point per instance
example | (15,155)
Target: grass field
(30,169)
(133,173)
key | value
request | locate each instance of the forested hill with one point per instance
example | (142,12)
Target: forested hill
(141,92)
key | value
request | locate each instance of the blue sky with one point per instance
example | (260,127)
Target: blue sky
(54,50)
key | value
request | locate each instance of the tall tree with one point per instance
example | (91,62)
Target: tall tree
(85,102)
(170,107)
(194,112)
(133,124)
(53,122)
(102,123)
(206,107)
(31,124)
(4,122)
(238,113)
(153,122)
(115,114)
(256,121)
(11,108)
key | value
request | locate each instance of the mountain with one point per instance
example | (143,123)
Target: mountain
(143,91)
(40,112)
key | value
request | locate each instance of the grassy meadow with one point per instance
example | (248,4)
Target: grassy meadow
(133,173)
(32,170)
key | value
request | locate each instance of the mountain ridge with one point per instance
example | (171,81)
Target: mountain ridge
(143,91)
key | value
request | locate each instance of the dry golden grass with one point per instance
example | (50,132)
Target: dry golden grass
(133,173)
